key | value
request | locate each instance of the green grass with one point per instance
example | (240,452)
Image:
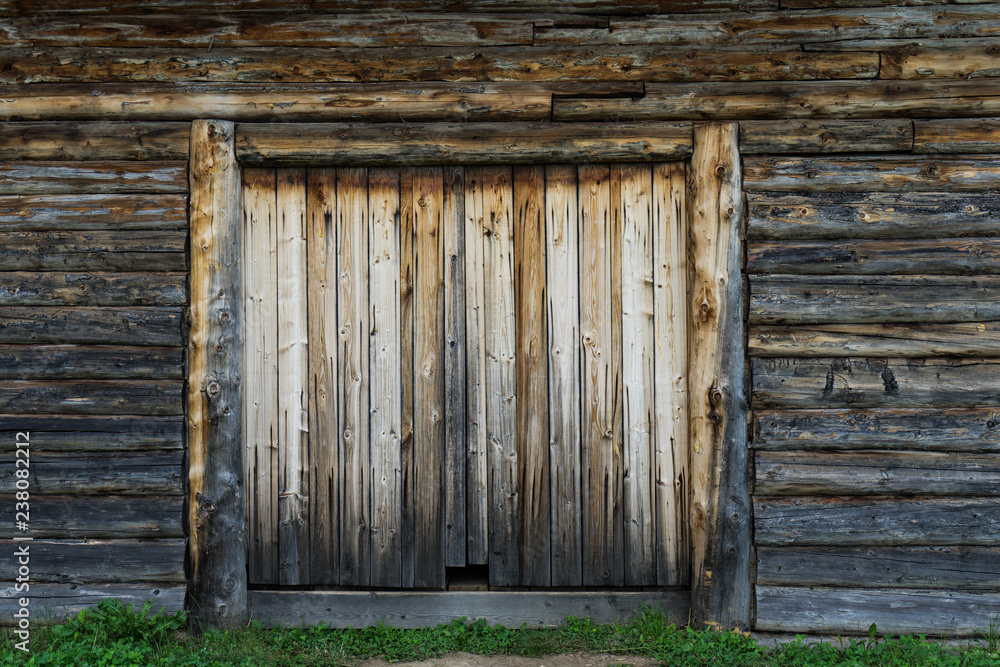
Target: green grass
(114,635)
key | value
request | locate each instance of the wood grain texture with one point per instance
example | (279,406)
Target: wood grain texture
(98,473)
(146,251)
(825,136)
(968,339)
(90,362)
(104,516)
(24,288)
(980,135)
(931,60)
(63,601)
(99,177)
(101,561)
(74,433)
(406,367)
(91,325)
(94,141)
(41,213)
(92,397)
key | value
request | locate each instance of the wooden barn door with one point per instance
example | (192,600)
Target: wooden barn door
(449,366)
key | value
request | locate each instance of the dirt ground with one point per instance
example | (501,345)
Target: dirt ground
(564,660)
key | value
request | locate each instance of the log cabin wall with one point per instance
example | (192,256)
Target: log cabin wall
(96,99)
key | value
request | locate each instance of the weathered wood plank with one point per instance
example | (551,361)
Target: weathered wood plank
(779,299)
(23,288)
(38,213)
(825,136)
(890,567)
(562,284)
(531,373)
(851,611)
(90,362)
(877,474)
(978,135)
(71,433)
(428,377)
(406,384)
(102,325)
(62,601)
(817,4)
(872,215)
(946,382)
(860,521)
(100,561)
(105,177)
(216,506)
(92,397)
(966,339)
(94,141)
(425,609)
(94,251)
(670,370)
(877,173)
(930,60)
(935,429)
(720,510)
(104,516)
(98,473)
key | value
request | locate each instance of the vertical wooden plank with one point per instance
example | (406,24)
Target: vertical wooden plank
(260,363)
(493,208)
(324,479)
(353,408)
(531,371)
(477,501)
(386,403)
(293,341)
(406,374)
(718,408)
(454,366)
(562,282)
(217,512)
(637,372)
(600,369)
(670,237)
(428,376)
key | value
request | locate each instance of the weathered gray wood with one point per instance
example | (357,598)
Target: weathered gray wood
(871,174)
(92,397)
(947,382)
(65,433)
(890,567)
(100,561)
(968,339)
(959,429)
(64,362)
(851,611)
(860,521)
(877,473)
(21,288)
(896,257)
(98,473)
(980,135)
(466,143)
(61,601)
(418,610)
(872,215)
(104,516)
(39,213)
(406,371)
(124,326)
(216,512)
(780,299)
(94,141)
(49,178)
(144,251)
(934,59)
(825,136)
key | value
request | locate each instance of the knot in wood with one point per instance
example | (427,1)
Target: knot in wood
(224,316)
(721,169)
(932,170)
(213,389)
(207,506)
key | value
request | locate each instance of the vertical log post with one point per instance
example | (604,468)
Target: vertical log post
(216,521)
(720,508)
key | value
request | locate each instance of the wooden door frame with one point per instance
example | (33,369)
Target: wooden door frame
(717,404)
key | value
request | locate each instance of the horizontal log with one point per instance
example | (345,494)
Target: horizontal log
(916,61)
(975,568)
(97,473)
(283,64)
(783,299)
(813,473)
(409,102)
(964,256)
(957,135)
(93,326)
(445,143)
(61,601)
(894,215)
(963,339)
(834,382)
(99,561)
(90,362)
(92,397)
(878,173)
(805,99)
(928,429)
(75,433)
(851,611)
(23,288)
(889,521)
(825,136)
(36,213)
(94,250)
(93,141)
(94,517)
(28,178)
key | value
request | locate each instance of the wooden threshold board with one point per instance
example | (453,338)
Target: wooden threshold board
(341,609)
